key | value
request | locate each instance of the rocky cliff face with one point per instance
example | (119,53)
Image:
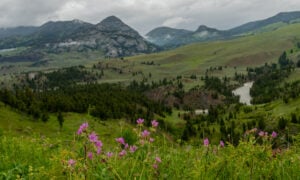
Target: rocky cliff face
(112,36)
(116,38)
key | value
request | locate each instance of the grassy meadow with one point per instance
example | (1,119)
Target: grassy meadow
(32,149)
(145,154)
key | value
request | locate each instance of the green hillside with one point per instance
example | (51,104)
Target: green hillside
(233,55)
(15,123)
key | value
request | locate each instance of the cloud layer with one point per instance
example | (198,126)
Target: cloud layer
(144,15)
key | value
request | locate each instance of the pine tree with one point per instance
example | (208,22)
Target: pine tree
(60,119)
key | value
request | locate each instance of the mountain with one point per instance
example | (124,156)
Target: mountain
(170,37)
(17,31)
(283,17)
(111,36)
(203,33)
(55,32)
(115,38)
(48,33)
(164,35)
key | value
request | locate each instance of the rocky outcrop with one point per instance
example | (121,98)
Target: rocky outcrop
(112,36)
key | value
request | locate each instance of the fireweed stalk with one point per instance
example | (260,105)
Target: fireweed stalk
(92,156)
(88,156)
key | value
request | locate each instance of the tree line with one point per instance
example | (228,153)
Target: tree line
(105,101)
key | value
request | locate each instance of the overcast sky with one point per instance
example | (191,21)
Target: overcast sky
(144,15)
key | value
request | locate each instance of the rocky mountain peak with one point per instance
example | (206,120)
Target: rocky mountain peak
(112,24)
(205,28)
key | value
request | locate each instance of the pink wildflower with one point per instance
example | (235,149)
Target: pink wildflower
(222,144)
(274,134)
(266,133)
(126,146)
(90,155)
(109,154)
(151,140)
(132,149)
(82,128)
(261,133)
(99,150)
(145,133)
(157,159)
(98,144)
(154,123)
(121,140)
(71,162)
(93,137)
(122,153)
(140,121)
(142,142)
(155,166)
(206,142)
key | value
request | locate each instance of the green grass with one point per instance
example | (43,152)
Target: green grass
(31,149)
(36,158)
(14,123)
(294,76)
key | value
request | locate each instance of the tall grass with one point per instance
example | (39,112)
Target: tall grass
(154,158)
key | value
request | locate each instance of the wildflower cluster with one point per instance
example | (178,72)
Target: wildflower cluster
(121,141)
(92,155)
(144,138)
(92,146)
(97,144)
(265,135)
(82,128)
(206,143)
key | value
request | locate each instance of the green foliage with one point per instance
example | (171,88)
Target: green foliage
(66,77)
(282,123)
(60,119)
(294,118)
(283,61)
(105,101)
(261,123)
(298,63)
(129,136)
(42,158)
(45,117)
(266,86)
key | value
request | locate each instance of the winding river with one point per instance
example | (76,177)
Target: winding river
(244,93)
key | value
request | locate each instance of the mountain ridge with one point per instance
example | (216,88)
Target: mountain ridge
(111,35)
(285,17)
(117,39)
(204,33)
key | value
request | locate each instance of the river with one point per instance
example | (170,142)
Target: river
(244,93)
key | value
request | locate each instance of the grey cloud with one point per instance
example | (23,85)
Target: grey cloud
(144,15)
